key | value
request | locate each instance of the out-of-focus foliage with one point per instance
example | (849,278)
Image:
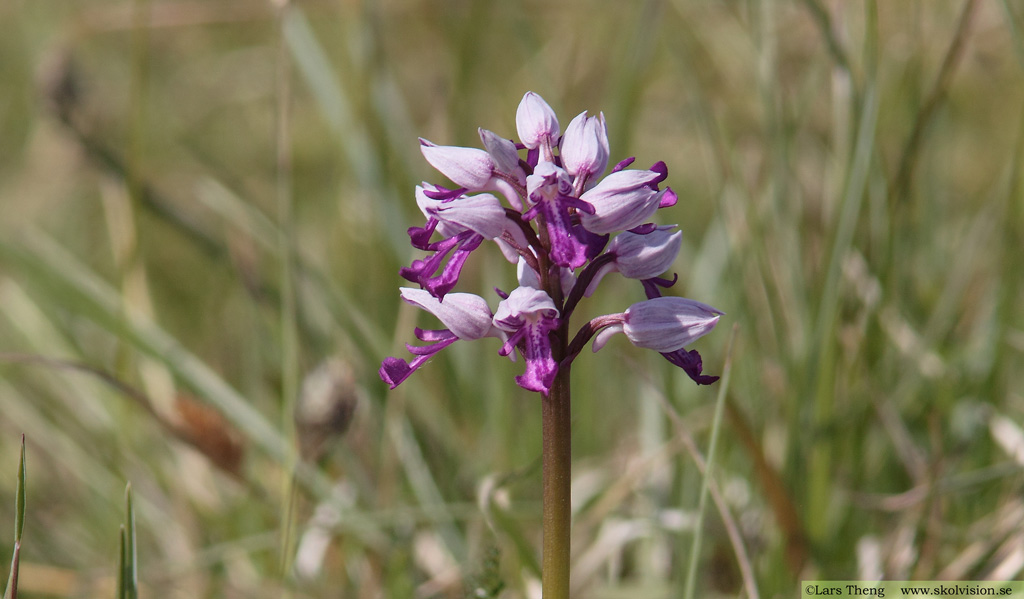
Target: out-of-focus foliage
(205,202)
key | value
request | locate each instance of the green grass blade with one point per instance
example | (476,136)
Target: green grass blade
(823,370)
(12,580)
(104,304)
(716,425)
(129,573)
(122,587)
(19,511)
(11,590)
(423,484)
(335,101)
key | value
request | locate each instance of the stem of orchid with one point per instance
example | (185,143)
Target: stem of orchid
(557,516)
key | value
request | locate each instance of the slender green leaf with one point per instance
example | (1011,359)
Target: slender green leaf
(12,581)
(716,425)
(11,590)
(122,560)
(129,565)
(19,511)
(823,367)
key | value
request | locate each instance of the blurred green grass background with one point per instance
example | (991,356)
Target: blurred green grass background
(207,201)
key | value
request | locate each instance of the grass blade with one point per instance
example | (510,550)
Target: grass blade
(11,590)
(128,574)
(824,364)
(19,510)
(121,581)
(723,389)
(73,281)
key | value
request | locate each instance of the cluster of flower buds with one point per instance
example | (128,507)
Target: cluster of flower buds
(556,223)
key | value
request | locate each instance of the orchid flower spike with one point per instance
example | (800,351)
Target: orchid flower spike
(567,226)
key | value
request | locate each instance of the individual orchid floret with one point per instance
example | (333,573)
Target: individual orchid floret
(470,168)
(481,213)
(584,150)
(529,315)
(664,324)
(639,255)
(504,154)
(537,125)
(549,190)
(473,169)
(623,200)
(644,256)
(464,223)
(467,316)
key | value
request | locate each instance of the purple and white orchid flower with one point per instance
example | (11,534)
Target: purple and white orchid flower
(465,315)
(537,125)
(464,222)
(566,228)
(639,256)
(530,316)
(584,149)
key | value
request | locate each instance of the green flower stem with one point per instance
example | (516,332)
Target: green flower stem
(557,464)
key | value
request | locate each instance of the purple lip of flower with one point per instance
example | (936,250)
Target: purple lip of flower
(549,189)
(423,271)
(530,316)
(691,363)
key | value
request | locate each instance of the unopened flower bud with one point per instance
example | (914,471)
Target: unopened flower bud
(666,324)
(536,123)
(584,149)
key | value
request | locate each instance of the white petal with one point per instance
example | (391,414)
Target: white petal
(603,335)
(666,324)
(464,314)
(467,167)
(535,121)
(646,256)
(482,213)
